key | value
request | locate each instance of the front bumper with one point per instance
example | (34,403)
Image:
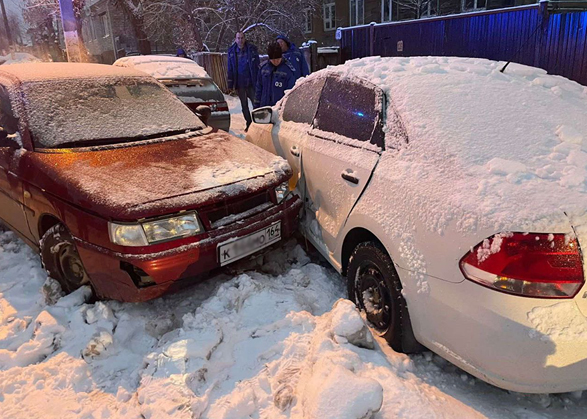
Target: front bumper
(520,344)
(178,267)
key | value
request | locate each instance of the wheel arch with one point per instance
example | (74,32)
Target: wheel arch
(354,237)
(46,221)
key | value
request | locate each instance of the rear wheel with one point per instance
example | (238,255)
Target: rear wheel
(61,259)
(375,287)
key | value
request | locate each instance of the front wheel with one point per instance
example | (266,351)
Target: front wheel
(374,286)
(61,259)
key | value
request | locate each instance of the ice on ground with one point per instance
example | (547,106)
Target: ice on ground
(237,120)
(265,345)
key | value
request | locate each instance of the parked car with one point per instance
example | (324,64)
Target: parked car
(121,196)
(189,81)
(453,197)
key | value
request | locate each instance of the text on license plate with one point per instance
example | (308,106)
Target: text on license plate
(248,245)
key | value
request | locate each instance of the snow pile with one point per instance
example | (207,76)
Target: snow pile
(237,120)
(163,67)
(276,343)
(493,150)
(18,58)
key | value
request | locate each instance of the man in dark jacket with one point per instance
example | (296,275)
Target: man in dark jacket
(243,67)
(275,77)
(294,56)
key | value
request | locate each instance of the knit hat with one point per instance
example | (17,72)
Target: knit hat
(274,51)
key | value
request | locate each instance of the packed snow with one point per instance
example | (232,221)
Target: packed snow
(164,67)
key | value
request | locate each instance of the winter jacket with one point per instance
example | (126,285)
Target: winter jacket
(296,57)
(272,82)
(233,67)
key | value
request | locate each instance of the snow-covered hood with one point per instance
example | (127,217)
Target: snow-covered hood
(145,180)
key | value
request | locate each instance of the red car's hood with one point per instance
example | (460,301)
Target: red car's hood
(146,180)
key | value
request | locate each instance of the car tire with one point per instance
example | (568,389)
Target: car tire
(374,286)
(61,259)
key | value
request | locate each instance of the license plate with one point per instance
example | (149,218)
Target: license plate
(245,246)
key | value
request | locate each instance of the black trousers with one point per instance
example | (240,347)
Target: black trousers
(245,93)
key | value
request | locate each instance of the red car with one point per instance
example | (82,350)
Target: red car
(122,187)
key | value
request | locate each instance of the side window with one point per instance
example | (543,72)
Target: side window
(352,110)
(7,119)
(301,102)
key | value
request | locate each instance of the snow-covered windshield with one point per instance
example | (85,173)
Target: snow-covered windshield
(78,112)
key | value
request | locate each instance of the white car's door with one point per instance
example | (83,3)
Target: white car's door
(340,154)
(287,137)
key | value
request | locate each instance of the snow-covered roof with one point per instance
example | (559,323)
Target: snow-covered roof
(484,145)
(164,67)
(54,71)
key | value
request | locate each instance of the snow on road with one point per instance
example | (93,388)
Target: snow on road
(273,342)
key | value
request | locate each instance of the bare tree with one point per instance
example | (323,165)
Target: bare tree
(211,24)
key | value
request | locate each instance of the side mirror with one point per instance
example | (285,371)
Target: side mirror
(262,115)
(204,112)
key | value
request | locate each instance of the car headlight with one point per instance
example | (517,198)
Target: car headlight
(155,231)
(281,191)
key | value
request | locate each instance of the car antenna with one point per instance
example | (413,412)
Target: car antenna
(524,44)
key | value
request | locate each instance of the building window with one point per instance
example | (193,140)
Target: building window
(99,26)
(105,24)
(474,4)
(386,10)
(357,9)
(307,20)
(329,16)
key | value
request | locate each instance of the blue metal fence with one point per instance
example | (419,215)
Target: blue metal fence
(528,35)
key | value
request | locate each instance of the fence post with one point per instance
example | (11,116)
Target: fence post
(371,38)
(543,16)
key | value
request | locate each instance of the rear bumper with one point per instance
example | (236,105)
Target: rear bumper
(178,267)
(521,344)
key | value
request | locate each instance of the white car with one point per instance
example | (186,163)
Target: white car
(453,196)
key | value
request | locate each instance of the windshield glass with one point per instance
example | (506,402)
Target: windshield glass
(66,113)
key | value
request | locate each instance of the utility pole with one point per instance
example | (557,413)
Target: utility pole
(8,33)
(72,42)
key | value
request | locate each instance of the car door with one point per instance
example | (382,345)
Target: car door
(287,138)
(11,198)
(342,150)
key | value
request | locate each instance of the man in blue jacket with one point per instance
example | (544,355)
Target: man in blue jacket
(294,56)
(243,67)
(275,77)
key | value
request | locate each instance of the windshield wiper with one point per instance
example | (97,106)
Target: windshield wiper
(121,140)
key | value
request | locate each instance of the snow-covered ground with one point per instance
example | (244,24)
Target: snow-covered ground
(271,338)
(237,121)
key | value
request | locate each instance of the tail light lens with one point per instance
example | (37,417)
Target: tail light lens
(214,106)
(531,265)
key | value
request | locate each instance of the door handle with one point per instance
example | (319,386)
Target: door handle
(294,151)
(350,177)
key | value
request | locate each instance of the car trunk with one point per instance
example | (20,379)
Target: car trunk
(147,180)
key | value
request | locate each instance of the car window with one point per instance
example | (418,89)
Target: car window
(350,109)
(301,102)
(7,120)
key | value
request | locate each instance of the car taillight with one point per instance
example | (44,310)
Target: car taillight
(527,264)
(216,106)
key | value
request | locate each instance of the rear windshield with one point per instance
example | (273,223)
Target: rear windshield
(194,90)
(79,112)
